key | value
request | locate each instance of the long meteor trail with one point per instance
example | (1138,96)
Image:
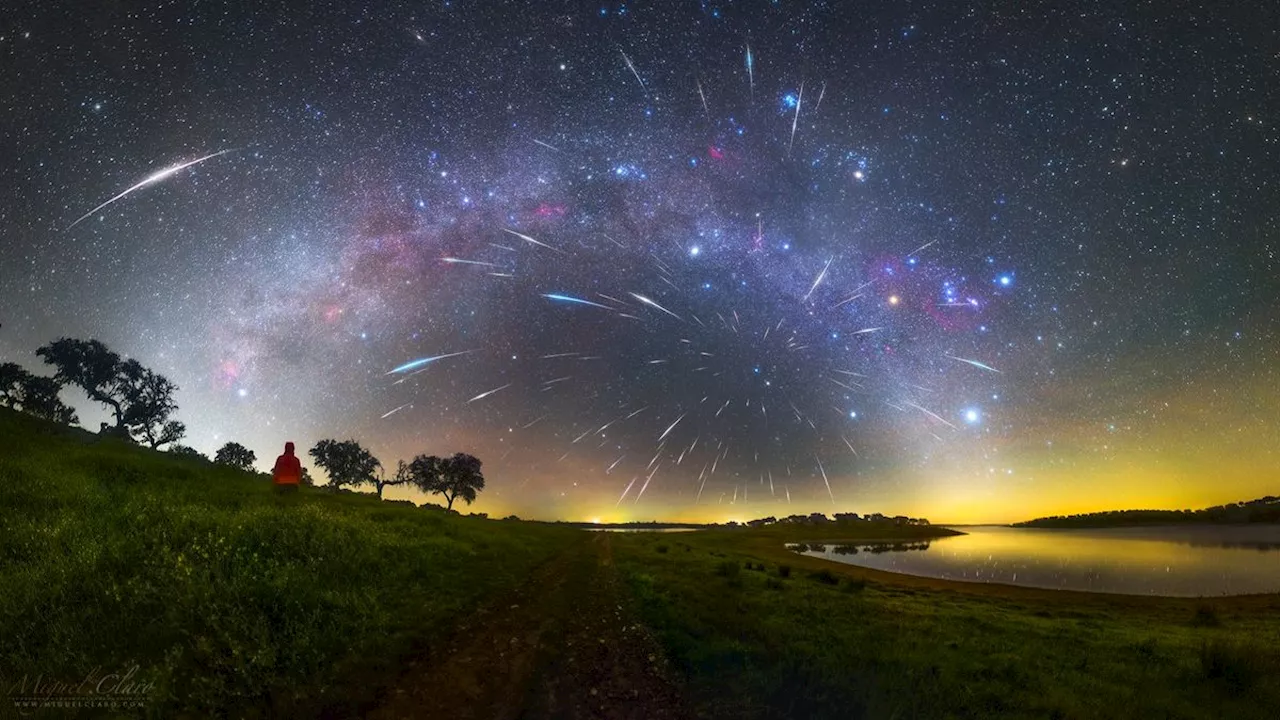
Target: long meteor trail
(975,363)
(415,364)
(571,299)
(150,180)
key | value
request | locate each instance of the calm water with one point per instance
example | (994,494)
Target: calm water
(641,530)
(1179,561)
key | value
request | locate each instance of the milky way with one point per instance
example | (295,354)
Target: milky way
(700,261)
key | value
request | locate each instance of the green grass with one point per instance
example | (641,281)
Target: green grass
(231,600)
(832,641)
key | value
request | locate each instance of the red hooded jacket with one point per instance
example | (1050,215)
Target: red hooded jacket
(288,469)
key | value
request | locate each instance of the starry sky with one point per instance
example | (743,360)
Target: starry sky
(682,260)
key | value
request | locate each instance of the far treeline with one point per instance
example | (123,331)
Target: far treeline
(1262,510)
(141,402)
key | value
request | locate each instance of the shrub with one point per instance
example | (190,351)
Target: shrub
(784,571)
(728,568)
(825,577)
(661,549)
(1236,665)
(1205,616)
(853,585)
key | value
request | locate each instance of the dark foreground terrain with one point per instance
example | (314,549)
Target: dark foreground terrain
(232,602)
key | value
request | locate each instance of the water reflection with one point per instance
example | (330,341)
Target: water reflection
(1186,561)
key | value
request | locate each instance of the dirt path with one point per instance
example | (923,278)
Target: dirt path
(564,646)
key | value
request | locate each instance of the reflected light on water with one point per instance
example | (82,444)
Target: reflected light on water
(1185,561)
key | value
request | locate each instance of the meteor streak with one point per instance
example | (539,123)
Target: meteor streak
(460,261)
(571,299)
(414,364)
(671,427)
(818,280)
(824,478)
(795,120)
(393,412)
(487,393)
(545,145)
(975,363)
(653,304)
(526,238)
(632,67)
(149,180)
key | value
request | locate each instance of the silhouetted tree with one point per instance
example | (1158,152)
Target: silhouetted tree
(140,399)
(346,462)
(33,394)
(150,403)
(235,455)
(187,451)
(92,367)
(400,478)
(306,480)
(11,377)
(456,477)
(40,398)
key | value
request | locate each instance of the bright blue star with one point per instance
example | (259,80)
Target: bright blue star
(695,251)
(972,416)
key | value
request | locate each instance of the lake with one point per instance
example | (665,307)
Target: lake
(1183,561)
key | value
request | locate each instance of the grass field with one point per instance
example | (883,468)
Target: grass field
(235,602)
(231,600)
(761,632)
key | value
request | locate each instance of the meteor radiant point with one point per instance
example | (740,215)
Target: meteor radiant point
(150,180)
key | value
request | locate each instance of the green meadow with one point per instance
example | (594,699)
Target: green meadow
(235,602)
(231,600)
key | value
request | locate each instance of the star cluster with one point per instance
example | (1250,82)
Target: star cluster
(684,260)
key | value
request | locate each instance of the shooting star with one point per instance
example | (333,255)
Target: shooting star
(653,304)
(632,67)
(487,393)
(821,93)
(975,363)
(626,490)
(393,412)
(415,364)
(150,180)
(824,478)
(818,280)
(751,74)
(922,247)
(460,261)
(795,120)
(671,427)
(703,95)
(526,238)
(571,299)
(547,146)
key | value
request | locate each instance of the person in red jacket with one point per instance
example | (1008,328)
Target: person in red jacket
(288,470)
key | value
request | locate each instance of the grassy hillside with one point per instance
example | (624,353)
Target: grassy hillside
(760,632)
(231,600)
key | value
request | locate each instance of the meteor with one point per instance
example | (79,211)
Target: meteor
(751,76)
(671,427)
(818,280)
(415,364)
(702,95)
(632,67)
(150,180)
(975,363)
(824,478)
(571,299)
(653,304)
(393,412)
(487,393)
(545,145)
(796,119)
(460,261)
(526,238)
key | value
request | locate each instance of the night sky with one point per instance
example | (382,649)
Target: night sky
(698,261)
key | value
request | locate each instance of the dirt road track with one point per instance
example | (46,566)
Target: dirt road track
(563,646)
